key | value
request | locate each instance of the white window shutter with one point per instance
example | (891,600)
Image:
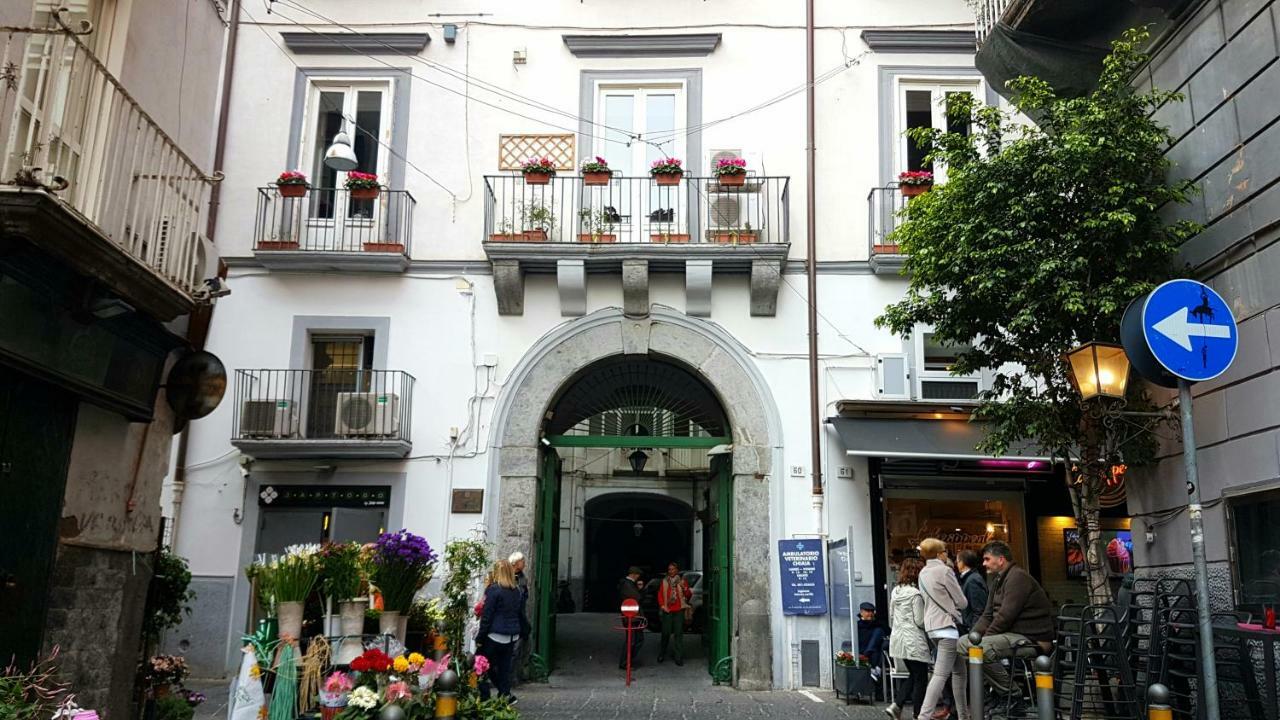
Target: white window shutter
(892,377)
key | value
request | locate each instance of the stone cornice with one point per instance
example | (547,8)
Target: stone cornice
(348,43)
(920,41)
(690,45)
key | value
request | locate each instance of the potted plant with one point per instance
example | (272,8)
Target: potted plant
(538,171)
(399,565)
(596,222)
(852,677)
(734,236)
(915,182)
(333,693)
(292,184)
(667,237)
(362,185)
(666,171)
(596,172)
(342,580)
(731,171)
(538,221)
(293,577)
(161,673)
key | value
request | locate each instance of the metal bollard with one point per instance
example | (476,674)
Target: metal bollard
(447,695)
(977,689)
(1158,707)
(1044,687)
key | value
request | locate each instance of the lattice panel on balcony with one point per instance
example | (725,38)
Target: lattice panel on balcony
(515,149)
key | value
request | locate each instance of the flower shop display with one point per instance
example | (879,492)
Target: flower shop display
(667,171)
(538,171)
(596,172)
(343,580)
(293,577)
(292,184)
(915,182)
(362,185)
(400,563)
(731,171)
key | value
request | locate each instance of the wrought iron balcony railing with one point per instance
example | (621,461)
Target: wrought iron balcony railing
(636,210)
(71,127)
(986,14)
(883,207)
(334,220)
(345,404)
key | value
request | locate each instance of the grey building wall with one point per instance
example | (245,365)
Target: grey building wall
(1224,60)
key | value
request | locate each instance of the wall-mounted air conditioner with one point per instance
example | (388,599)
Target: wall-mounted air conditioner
(268,419)
(367,413)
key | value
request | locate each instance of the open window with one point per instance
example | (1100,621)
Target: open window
(650,109)
(933,361)
(362,109)
(926,104)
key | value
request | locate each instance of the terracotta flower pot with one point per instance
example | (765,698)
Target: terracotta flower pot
(668,178)
(537,235)
(733,180)
(885,249)
(597,238)
(537,178)
(664,238)
(277,245)
(384,247)
(733,238)
(597,178)
(292,190)
(361,193)
(910,191)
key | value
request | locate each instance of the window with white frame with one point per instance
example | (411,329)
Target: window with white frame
(933,362)
(362,109)
(654,110)
(924,104)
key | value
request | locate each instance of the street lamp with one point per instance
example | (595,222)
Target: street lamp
(340,156)
(1099,369)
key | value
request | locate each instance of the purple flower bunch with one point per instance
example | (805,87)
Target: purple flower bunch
(403,547)
(400,564)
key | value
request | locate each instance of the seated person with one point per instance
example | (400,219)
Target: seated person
(871,637)
(1018,615)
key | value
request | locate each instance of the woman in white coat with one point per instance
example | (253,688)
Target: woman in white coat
(944,602)
(908,644)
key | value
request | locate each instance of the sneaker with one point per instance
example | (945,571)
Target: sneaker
(875,674)
(893,711)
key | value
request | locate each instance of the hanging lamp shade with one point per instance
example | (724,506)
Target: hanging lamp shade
(340,156)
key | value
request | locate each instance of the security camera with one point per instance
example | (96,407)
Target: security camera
(214,287)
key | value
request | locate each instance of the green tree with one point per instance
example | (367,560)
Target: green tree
(169,598)
(1038,240)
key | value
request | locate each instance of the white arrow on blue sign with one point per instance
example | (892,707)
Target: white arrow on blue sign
(1190,330)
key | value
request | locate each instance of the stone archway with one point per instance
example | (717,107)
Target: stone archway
(753,418)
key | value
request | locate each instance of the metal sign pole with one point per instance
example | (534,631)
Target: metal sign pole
(1208,667)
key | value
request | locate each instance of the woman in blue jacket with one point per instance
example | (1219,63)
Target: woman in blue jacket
(501,624)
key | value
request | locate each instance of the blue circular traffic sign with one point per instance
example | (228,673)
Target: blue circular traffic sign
(1189,329)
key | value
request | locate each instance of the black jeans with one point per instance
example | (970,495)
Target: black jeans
(499,655)
(913,686)
(637,642)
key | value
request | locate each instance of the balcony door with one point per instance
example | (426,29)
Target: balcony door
(654,112)
(925,104)
(340,364)
(333,219)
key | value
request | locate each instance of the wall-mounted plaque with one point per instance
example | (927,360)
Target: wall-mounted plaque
(468,501)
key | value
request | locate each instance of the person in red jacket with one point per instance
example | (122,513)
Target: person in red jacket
(673,607)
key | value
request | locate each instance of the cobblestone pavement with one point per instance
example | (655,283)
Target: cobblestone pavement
(588,685)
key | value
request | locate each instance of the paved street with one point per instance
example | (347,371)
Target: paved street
(588,685)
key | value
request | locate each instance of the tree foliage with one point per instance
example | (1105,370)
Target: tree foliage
(1038,240)
(169,596)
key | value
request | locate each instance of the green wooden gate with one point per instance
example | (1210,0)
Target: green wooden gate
(718,570)
(547,570)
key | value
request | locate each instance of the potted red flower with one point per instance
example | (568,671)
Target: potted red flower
(667,171)
(362,185)
(915,182)
(292,184)
(596,172)
(731,171)
(538,171)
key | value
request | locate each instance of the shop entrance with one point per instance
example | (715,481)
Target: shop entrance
(649,440)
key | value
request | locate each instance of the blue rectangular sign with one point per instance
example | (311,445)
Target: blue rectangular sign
(804,589)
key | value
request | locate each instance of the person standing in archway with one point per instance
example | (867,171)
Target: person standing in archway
(673,611)
(629,588)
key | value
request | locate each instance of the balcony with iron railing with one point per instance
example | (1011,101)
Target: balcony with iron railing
(698,225)
(884,213)
(986,14)
(332,413)
(304,228)
(89,177)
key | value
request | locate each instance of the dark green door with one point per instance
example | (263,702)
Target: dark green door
(547,559)
(718,566)
(37,424)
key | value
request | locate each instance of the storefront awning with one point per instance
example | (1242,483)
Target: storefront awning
(949,439)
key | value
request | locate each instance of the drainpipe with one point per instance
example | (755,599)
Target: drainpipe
(811,265)
(202,316)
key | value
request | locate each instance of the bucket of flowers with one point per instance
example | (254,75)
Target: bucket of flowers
(667,171)
(731,171)
(292,184)
(293,577)
(362,185)
(538,171)
(915,182)
(333,695)
(596,172)
(399,565)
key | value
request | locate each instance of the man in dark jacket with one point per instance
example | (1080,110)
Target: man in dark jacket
(629,588)
(1017,616)
(974,586)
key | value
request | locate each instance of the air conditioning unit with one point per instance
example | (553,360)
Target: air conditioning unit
(367,413)
(734,208)
(268,419)
(952,389)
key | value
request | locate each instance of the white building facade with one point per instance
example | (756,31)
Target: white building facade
(439,356)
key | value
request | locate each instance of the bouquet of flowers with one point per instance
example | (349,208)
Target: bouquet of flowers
(291,177)
(666,166)
(846,658)
(333,693)
(372,661)
(730,166)
(259,574)
(342,571)
(295,574)
(361,703)
(915,178)
(539,166)
(399,565)
(599,165)
(357,180)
